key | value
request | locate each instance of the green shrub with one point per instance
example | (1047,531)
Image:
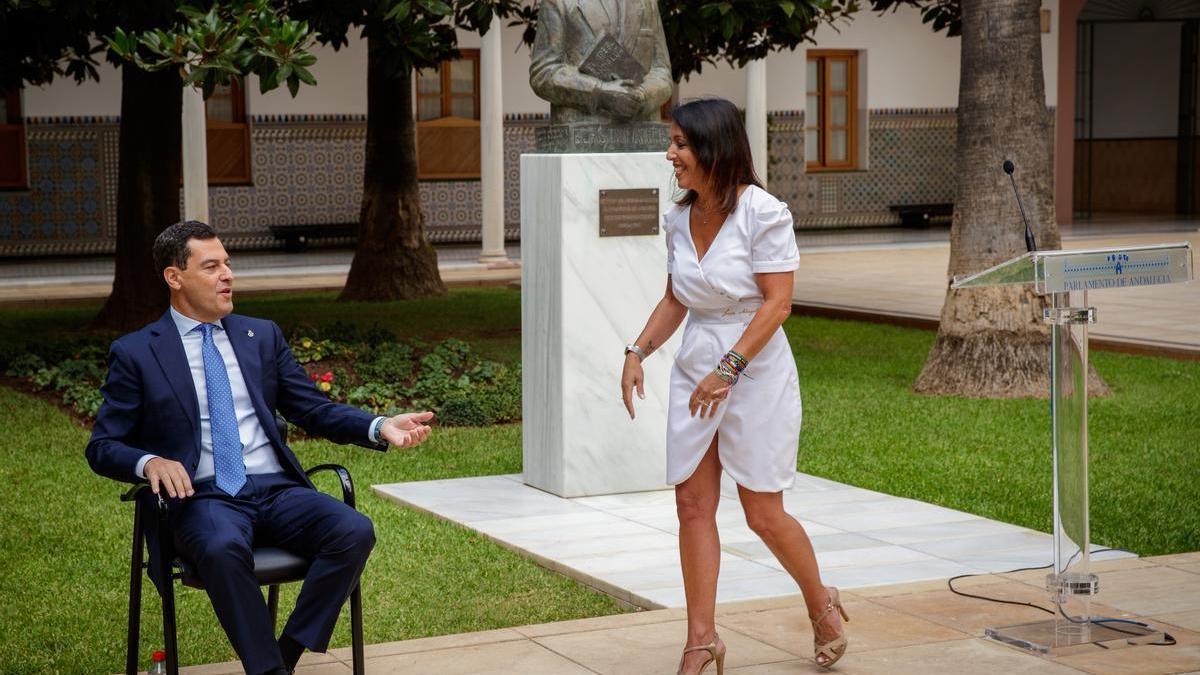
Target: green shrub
(501,401)
(85,398)
(69,373)
(55,351)
(463,410)
(385,377)
(497,402)
(391,362)
(308,350)
(378,397)
(25,365)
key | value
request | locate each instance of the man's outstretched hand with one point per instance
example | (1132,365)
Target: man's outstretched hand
(407,430)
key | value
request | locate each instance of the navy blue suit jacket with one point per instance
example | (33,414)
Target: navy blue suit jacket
(150,401)
(150,406)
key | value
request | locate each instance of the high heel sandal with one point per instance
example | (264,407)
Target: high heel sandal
(716,652)
(835,648)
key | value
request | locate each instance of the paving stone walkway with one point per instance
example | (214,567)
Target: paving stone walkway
(916,628)
(909,280)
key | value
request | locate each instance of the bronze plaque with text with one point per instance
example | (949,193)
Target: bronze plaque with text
(625,213)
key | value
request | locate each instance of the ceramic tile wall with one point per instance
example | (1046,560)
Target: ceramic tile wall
(308,169)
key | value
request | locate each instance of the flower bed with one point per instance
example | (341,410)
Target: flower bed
(366,368)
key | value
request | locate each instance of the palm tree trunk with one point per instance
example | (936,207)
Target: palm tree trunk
(991,342)
(393,260)
(148,174)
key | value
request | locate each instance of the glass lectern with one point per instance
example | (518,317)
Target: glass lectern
(1067,276)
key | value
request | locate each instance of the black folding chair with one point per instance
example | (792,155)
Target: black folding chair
(273,566)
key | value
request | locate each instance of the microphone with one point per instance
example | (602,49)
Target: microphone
(1009,167)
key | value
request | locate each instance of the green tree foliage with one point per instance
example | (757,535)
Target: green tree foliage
(740,31)
(415,33)
(42,39)
(942,14)
(731,31)
(32,54)
(232,39)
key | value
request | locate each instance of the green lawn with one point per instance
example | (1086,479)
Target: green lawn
(864,426)
(64,563)
(65,535)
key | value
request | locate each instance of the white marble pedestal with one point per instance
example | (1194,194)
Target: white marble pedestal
(583,297)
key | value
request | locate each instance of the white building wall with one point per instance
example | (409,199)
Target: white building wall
(1050,53)
(63,97)
(908,66)
(518,95)
(341,86)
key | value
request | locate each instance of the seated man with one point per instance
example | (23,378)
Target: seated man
(189,405)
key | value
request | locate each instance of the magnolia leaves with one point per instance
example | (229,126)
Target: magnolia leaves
(229,40)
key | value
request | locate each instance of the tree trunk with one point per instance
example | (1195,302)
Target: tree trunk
(991,342)
(147,193)
(392,260)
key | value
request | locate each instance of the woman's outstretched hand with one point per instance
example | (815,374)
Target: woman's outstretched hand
(708,395)
(632,379)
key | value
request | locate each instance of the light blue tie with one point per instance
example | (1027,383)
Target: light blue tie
(228,465)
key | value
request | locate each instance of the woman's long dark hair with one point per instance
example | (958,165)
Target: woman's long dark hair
(714,128)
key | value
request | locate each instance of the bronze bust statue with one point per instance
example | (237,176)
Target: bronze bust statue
(604,68)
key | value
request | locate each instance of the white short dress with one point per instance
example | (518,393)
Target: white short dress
(759,424)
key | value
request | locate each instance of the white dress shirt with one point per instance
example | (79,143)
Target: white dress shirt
(257,452)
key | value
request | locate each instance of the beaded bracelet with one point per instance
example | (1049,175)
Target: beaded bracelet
(736,360)
(730,368)
(726,373)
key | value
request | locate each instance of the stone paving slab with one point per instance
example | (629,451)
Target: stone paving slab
(915,628)
(49,291)
(626,545)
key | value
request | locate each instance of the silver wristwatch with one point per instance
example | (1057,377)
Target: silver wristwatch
(636,351)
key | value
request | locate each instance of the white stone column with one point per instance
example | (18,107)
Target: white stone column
(195,156)
(491,145)
(756,114)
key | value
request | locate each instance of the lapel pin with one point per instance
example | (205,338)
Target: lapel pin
(249,333)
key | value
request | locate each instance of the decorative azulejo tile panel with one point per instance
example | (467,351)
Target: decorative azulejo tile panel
(307,174)
(308,170)
(911,161)
(65,209)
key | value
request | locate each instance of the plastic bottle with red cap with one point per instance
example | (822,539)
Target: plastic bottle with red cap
(158,663)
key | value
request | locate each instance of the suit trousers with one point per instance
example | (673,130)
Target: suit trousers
(216,533)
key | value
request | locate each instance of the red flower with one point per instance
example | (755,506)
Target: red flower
(327,377)
(314,377)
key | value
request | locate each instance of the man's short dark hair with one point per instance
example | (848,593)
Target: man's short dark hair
(171,245)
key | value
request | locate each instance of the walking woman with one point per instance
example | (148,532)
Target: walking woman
(735,395)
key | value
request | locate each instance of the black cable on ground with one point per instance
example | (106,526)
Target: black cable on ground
(1167,641)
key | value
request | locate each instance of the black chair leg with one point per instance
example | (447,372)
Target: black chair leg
(132,637)
(167,593)
(356,630)
(169,644)
(273,606)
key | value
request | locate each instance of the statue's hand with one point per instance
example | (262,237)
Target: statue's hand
(621,99)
